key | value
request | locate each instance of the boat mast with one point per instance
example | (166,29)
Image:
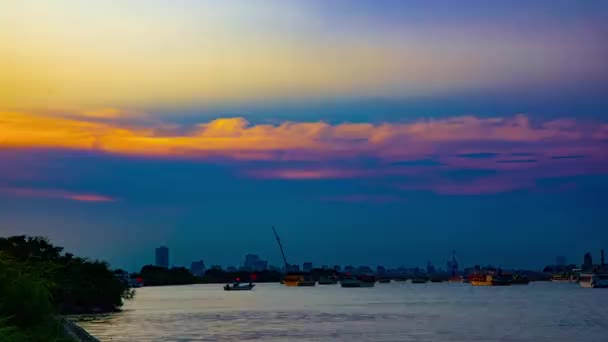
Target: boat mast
(281,247)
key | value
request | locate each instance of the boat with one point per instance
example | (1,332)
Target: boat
(456,279)
(483,279)
(593,280)
(437,278)
(292,278)
(328,280)
(239,287)
(384,281)
(518,279)
(420,280)
(367,280)
(350,282)
(561,278)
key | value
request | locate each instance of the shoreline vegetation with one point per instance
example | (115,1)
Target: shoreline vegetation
(39,282)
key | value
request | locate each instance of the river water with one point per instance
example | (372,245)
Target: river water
(388,312)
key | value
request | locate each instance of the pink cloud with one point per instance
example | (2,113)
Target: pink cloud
(319,150)
(362,198)
(52,193)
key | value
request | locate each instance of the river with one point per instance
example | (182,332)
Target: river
(538,312)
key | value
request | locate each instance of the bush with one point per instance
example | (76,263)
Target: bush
(76,285)
(26,309)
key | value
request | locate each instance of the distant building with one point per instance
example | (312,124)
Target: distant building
(307,267)
(260,265)
(231,269)
(430,269)
(198,268)
(587,262)
(364,270)
(324,267)
(452,265)
(216,267)
(294,268)
(348,269)
(254,263)
(337,268)
(560,261)
(162,257)
(380,269)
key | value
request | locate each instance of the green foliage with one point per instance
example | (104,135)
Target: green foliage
(76,285)
(26,310)
(155,275)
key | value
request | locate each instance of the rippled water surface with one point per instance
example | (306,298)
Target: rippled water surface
(387,312)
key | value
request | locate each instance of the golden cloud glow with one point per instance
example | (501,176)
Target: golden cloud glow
(236,138)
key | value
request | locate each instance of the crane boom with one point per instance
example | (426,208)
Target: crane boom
(281,247)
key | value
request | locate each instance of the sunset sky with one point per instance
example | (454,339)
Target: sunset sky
(368,132)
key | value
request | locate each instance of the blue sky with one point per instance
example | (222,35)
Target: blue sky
(368,132)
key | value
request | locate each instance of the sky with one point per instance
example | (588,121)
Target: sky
(366,132)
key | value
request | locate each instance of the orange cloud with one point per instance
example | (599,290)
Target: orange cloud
(318,150)
(236,138)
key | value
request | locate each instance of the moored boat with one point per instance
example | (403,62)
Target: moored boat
(456,279)
(420,280)
(350,282)
(328,281)
(489,279)
(298,280)
(520,280)
(239,287)
(561,278)
(292,278)
(593,280)
(367,280)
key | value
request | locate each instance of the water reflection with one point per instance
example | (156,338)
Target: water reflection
(388,312)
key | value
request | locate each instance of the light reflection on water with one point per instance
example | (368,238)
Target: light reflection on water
(388,312)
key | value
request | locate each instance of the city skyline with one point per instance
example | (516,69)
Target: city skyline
(255,263)
(367,132)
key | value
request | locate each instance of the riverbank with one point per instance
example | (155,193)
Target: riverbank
(76,332)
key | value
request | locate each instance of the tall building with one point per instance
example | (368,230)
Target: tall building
(430,269)
(198,268)
(307,267)
(254,263)
(452,265)
(162,257)
(587,262)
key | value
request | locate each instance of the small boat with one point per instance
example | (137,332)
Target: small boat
(520,280)
(561,278)
(328,281)
(298,280)
(594,280)
(437,278)
(367,280)
(239,287)
(420,280)
(350,282)
(456,279)
(488,280)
